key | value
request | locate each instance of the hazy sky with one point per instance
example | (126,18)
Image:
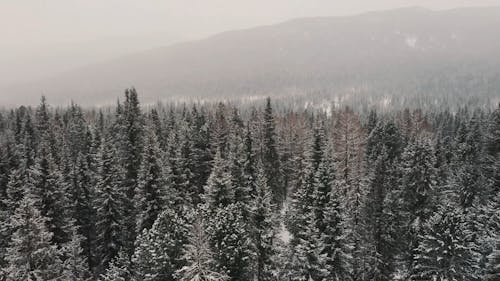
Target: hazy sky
(42,37)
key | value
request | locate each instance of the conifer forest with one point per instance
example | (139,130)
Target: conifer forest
(259,192)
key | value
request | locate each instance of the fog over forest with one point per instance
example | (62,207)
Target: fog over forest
(275,141)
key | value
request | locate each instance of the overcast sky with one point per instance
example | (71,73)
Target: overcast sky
(42,37)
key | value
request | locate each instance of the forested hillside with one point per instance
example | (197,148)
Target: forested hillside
(223,192)
(404,54)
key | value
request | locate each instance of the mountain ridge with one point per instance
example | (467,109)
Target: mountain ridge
(319,54)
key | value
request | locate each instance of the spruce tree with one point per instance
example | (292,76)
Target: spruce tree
(417,192)
(200,262)
(230,240)
(263,229)
(445,250)
(47,182)
(269,155)
(153,183)
(109,202)
(31,255)
(131,132)
(323,183)
(335,246)
(119,269)
(75,265)
(158,250)
(493,264)
(219,191)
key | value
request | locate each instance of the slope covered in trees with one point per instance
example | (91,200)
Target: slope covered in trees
(208,191)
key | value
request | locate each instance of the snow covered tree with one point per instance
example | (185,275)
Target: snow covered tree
(348,137)
(492,152)
(130,125)
(417,192)
(335,246)
(82,198)
(200,262)
(75,265)
(263,229)
(153,183)
(158,250)
(31,255)
(230,240)
(119,269)
(323,183)
(200,152)
(378,222)
(109,202)
(47,182)
(493,264)
(307,261)
(219,191)
(445,250)
(269,155)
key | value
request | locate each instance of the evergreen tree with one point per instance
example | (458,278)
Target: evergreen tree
(263,229)
(82,198)
(383,151)
(445,250)
(493,265)
(47,183)
(323,182)
(333,237)
(200,152)
(119,269)
(109,202)
(378,223)
(158,250)
(269,155)
(131,132)
(75,266)
(200,262)
(31,254)
(151,195)
(417,192)
(219,191)
(230,240)
(308,262)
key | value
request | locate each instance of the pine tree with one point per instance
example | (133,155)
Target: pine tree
(219,191)
(109,202)
(82,198)
(119,269)
(304,198)
(333,237)
(75,265)
(220,129)
(493,265)
(492,152)
(47,182)
(445,250)
(378,223)
(323,182)
(153,182)
(348,137)
(31,254)
(131,128)
(230,240)
(263,229)
(200,262)
(308,262)
(200,152)
(417,191)
(158,250)
(269,155)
